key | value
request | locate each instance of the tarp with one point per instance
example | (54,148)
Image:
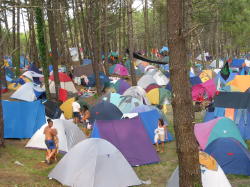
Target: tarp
(237,62)
(237,100)
(87,70)
(195,80)
(130,137)
(22,119)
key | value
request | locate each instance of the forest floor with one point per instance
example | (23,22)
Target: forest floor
(34,171)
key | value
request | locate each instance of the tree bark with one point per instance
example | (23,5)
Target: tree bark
(1,82)
(18,46)
(33,46)
(131,41)
(187,148)
(93,25)
(53,44)
(146,27)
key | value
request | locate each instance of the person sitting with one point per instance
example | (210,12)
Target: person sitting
(160,134)
(85,118)
(50,134)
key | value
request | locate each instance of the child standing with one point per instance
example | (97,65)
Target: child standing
(160,134)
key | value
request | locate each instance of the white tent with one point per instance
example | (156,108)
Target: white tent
(209,178)
(204,55)
(220,63)
(27,92)
(138,93)
(31,74)
(68,134)
(145,81)
(96,163)
(69,86)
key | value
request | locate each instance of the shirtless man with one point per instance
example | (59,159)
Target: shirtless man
(50,133)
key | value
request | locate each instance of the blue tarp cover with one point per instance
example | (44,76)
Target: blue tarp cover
(22,119)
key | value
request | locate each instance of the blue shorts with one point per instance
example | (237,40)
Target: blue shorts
(76,115)
(50,144)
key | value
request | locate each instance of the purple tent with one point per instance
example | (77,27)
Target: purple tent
(130,137)
(121,86)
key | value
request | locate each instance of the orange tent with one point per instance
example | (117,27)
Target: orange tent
(242,82)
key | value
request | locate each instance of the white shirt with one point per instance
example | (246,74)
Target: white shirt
(160,131)
(76,106)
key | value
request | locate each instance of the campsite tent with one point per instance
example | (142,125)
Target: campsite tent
(28,92)
(121,86)
(52,109)
(159,77)
(104,111)
(22,119)
(130,137)
(220,127)
(150,122)
(152,86)
(68,134)
(67,109)
(242,82)
(138,93)
(65,83)
(128,103)
(96,163)
(230,155)
(209,178)
(159,96)
(119,70)
(214,64)
(145,81)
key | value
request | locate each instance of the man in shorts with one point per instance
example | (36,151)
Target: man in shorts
(76,111)
(50,134)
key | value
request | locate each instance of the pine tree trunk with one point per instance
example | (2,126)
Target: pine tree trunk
(42,45)
(53,44)
(146,28)
(131,41)
(1,81)
(33,45)
(18,47)
(183,113)
(105,6)
(93,26)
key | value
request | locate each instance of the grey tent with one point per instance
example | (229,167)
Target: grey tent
(145,81)
(97,163)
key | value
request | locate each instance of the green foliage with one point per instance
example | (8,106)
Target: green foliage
(42,47)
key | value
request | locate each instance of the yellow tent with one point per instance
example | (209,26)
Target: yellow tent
(66,107)
(206,75)
(241,82)
(14,86)
(154,96)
